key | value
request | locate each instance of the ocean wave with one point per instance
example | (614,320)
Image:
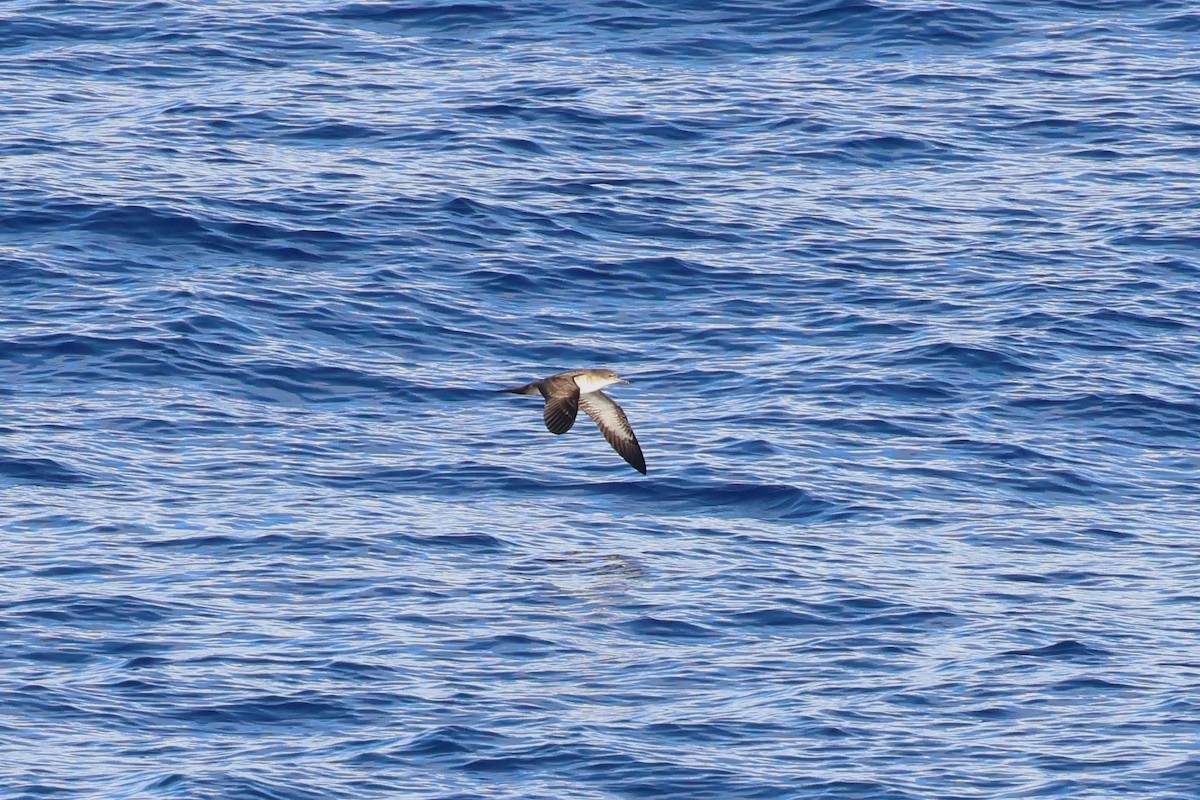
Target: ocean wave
(906,292)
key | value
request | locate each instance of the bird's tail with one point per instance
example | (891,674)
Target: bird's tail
(529,388)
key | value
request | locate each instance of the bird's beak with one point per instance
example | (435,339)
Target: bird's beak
(622,380)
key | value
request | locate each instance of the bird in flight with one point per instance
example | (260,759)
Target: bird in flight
(567,392)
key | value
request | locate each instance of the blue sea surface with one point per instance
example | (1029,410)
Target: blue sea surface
(909,295)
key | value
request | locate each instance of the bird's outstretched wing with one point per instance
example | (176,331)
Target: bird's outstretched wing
(614,425)
(562,404)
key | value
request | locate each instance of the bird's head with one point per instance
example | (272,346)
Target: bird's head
(595,379)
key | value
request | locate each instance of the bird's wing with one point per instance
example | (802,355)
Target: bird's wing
(615,426)
(562,403)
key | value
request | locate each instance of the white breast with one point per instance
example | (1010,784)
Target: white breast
(590,383)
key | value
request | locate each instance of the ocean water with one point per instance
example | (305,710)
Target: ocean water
(909,295)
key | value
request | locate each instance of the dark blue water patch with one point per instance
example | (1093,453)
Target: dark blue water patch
(1004,452)
(598,185)
(438,743)
(61,656)
(491,220)
(883,151)
(79,570)
(1052,578)
(333,132)
(623,773)
(924,391)
(992,714)
(205,326)
(843,617)
(715,732)
(847,789)
(305,709)
(25,275)
(659,628)
(469,542)
(1157,6)
(269,542)
(98,611)
(715,45)
(1179,23)
(1132,322)
(23,31)
(1180,778)
(1093,685)
(145,662)
(436,17)
(652,226)
(34,350)
(504,281)
(147,224)
(360,672)
(1158,240)
(15,469)
(137,647)
(1049,483)
(313,382)
(732,28)
(765,501)
(748,448)
(1058,764)
(1086,539)
(217,782)
(1069,650)
(1151,416)
(150,225)
(510,645)
(517,144)
(782,618)
(870,427)
(975,358)
(653,277)
(635,131)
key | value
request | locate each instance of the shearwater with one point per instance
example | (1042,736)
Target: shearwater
(567,392)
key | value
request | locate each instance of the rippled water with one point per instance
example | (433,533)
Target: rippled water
(908,295)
